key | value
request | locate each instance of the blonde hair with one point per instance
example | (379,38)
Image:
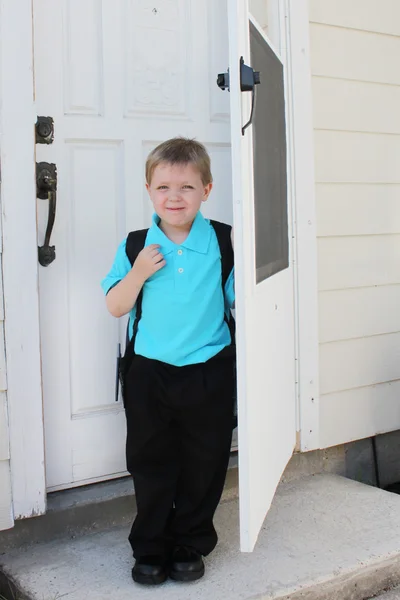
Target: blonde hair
(180,151)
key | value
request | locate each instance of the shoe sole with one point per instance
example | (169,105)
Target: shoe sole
(189,576)
(149,579)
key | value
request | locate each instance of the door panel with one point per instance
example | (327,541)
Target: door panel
(118,78)
(264,295)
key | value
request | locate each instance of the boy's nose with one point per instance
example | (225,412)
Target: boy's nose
(174,196)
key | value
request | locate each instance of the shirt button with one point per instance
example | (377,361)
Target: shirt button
(180,270)
(180,252)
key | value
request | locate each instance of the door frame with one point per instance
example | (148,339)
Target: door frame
(20,264)
(291,23)
(20,271)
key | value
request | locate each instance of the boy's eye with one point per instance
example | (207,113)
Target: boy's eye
(189,187)
(162,187)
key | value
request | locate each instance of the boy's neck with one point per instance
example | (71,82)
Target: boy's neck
(174,233)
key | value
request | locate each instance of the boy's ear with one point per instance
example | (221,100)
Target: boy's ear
(207,191)
(147,187)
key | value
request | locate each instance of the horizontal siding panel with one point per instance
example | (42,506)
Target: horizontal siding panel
(355,106)
(361,413)
(348,314)
(357,209)
(345,157)
(350,262)
(382,16)
(6,517)
(358,363)
(358,55)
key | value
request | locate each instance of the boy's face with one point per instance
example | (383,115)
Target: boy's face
(177,193)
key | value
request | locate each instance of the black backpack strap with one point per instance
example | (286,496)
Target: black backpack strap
(223,233)
(134,244)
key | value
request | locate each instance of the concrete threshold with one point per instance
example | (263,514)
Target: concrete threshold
(325,537)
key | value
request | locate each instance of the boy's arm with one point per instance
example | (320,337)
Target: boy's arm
(123,284)
(122,297)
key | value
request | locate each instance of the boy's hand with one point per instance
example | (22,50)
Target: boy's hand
(148,261)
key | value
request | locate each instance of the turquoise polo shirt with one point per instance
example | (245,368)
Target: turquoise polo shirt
(183,304)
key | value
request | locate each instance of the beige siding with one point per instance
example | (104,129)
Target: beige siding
(356,95)
(380,16)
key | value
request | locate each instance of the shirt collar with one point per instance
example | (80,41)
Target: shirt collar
(198,239)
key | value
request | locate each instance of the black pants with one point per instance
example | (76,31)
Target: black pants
(179,430)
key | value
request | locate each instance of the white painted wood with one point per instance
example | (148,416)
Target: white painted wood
(342,157)
(4,436)
(359,363)
(3,366)
(20,260)
(357,209)
(357,55)
(381,16)
(120,78)
(6,513)
(264,312)
(356,106)
(359,413)
(359,313)
(360,261)
(304,219)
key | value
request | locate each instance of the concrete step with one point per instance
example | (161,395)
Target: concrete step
(88,509)
(325,537)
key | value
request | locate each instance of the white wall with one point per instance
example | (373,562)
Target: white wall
(356,94)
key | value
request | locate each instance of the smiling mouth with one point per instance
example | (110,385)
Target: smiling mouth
(176,209)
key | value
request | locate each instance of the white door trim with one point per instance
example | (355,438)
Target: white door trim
(288,29)
(20,265)
(304,222)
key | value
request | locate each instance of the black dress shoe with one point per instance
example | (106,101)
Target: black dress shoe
(187,564)
(150,570)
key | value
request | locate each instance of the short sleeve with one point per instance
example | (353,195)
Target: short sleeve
(120,268)
(230,291)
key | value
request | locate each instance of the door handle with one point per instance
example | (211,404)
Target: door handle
(249,78)
(46,189)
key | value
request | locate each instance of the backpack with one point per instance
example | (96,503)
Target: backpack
(134,245)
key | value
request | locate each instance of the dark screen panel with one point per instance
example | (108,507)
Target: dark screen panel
(270,168)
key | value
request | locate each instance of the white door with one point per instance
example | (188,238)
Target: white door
(117,77)
(264,273)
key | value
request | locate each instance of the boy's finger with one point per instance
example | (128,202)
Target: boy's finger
(158,257)
(161,264)
(154,252)
(153,248)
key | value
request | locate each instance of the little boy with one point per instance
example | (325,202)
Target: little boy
(179,390)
